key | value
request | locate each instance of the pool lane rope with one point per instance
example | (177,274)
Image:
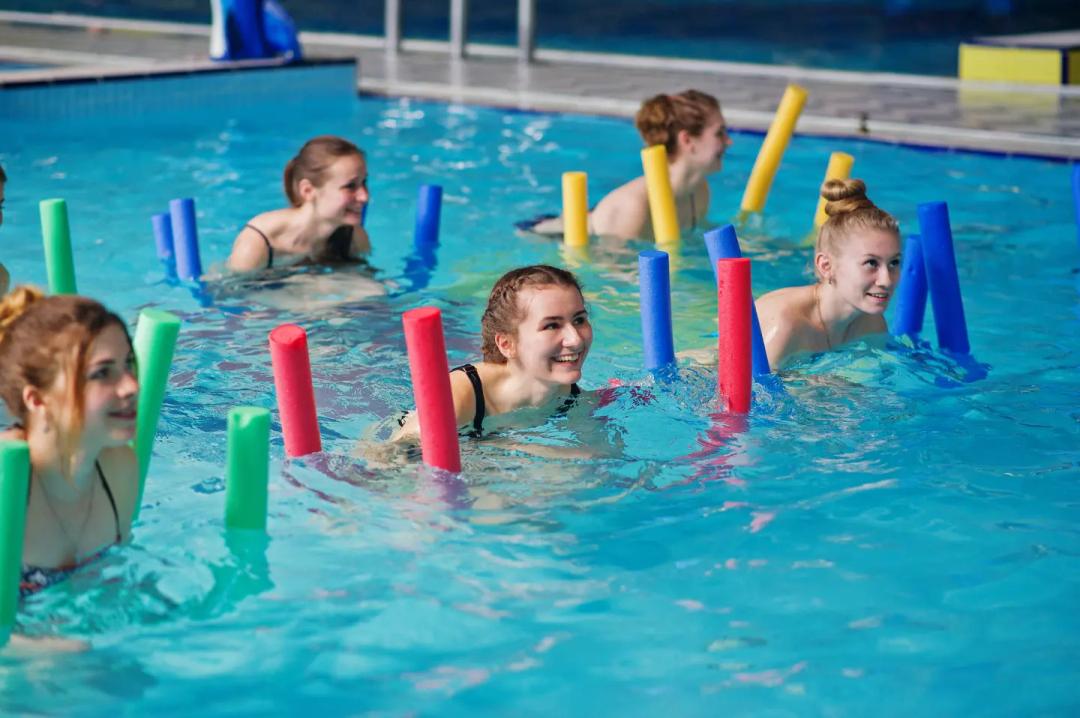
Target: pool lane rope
(430,374)
(723,243)
(56,235)
(912,293)
(14,488)
(428,212)
(654,281)
(575,202)
(665,222)
(248,468)
(840,164)
(295,391)
(185,235)
(772,149)
(733,306)
(942,278)
(154,343)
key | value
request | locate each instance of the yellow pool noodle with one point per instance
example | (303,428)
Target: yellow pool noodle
(575,208)
(839,168)
(661,200)
(772,149)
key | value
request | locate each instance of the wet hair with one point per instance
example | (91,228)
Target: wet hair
(313,161)
(44,337)
(503,313)
(850,211)
(662,117)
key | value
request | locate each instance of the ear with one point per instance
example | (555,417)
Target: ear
(506,345)
(684,140)
(823,265)
(34,402)
(306,189)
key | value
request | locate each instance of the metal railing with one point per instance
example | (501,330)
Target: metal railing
(459,22)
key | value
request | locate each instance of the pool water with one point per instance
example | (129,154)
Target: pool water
(880,536)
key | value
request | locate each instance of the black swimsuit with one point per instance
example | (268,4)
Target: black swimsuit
(36,578)
(481,408)
(339,244)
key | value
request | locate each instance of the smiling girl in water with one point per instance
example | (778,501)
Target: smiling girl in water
(326,184)
(857,263)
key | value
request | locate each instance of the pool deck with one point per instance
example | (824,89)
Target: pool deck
(932,111)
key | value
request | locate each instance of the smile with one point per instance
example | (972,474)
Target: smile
(567,358)
(123,415)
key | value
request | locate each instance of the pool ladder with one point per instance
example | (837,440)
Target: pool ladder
(459,15)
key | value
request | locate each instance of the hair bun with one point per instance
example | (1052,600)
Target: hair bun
(845,195)
(15,303)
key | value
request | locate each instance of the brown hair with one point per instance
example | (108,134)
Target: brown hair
(503,314)
(662,117)
(313,161)
(850,210)
(42,338)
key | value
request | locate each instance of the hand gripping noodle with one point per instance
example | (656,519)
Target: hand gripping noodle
(655,284)
(911,294)
(733,314)
(14,485)
(185,238)
(431,388)
(772,149)
(665,222)
(155,341)
(575,204)
(248,474)
(295,393)
(56,234)
(723,243)
(942,278)
(840,164)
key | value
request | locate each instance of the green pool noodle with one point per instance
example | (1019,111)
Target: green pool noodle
(56,233)
(248,475)
(155,340)
(14,485)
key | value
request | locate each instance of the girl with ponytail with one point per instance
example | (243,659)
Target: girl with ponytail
(326,185)
(691,128)
(857,263)
(67,376)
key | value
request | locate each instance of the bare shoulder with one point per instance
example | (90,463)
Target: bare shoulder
(464,407)
(624,212)
(783,319)
(781,303)
(361,243)
(868,325)
(13,435)
(121,469)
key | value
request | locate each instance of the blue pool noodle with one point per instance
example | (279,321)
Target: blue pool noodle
(911,294)
(185,238)
(1076,199)
(942,277)
(428,208)
(723,243)
(655,282)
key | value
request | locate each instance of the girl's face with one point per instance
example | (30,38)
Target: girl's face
(344,193)
(554,337)
(708,148)
(867,270)
(111,390)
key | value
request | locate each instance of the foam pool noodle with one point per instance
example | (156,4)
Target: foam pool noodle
(248,468)
(430,374)
(428,209)
(772,149)
(723,243)
(14,486)
(575,209)
(655,293)
(185,238)
(56,234)
(840,164)
(733,315)
(154,343)
(665,222)
(295,391)
(912,292)
(942,277)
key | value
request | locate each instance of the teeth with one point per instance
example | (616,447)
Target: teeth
(567,357)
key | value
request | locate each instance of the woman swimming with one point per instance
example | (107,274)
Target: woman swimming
(67,376)
(536,335)
(857,263)
(692,129)
(326,184)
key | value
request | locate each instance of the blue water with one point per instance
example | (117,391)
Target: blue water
(881,538)
(919,36)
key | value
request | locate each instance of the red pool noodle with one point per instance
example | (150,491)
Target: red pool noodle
(431,388)
(295,395)
(733,313)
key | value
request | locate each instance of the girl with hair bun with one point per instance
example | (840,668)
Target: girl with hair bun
(536,335)
(692,129)
(326,185)
(67,376)
(857,264)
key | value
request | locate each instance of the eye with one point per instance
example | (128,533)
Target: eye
(894,264)
(578,321)
(872,263)
(100,373)
(551,325)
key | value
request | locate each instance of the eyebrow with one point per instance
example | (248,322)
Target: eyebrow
(575,314)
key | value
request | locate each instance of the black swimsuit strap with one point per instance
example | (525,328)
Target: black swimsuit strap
(112,501)
(478,391)
(269,249)
(339,245)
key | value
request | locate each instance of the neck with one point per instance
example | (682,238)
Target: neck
(834,312)
(66,479)
(517,390)
(684,179)
(310,232)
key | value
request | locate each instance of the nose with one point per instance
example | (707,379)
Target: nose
(362,194)
(572,336)
(128,385)
(885,276)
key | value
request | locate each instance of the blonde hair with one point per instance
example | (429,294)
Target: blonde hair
(849,211)
(662,117)
(503,313)
(313,161)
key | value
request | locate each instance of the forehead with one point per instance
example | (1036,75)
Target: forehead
(549,300)
(110,342)
(872,241)
(347,166)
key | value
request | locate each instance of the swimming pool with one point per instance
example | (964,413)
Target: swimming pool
(869,534)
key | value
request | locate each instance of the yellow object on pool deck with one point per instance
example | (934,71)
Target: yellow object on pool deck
(575,208)
(839,168)
(772,149)
(665,222)
(1051,58)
